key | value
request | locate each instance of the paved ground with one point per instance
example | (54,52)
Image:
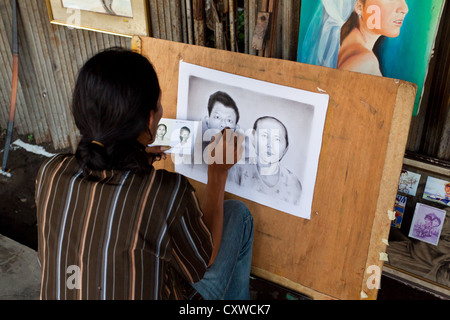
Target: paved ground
(19,271)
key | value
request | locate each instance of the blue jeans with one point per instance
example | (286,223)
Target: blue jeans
(228,278)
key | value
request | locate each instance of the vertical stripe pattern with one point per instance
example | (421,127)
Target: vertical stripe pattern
(118,235)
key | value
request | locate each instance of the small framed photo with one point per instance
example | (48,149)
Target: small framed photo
(400,205)
(118,17)
(437,190)
(408,183)
(427,224)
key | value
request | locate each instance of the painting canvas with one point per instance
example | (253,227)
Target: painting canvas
(111,7)
(427,224)
(281,130)
(392,38)
(437,190)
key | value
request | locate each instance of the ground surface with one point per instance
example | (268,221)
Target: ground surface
(17,207)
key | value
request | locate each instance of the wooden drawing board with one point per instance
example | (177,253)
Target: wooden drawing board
(339,252)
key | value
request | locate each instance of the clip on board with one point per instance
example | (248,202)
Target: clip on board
(338,253)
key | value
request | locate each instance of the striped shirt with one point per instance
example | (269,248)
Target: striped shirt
(118,235)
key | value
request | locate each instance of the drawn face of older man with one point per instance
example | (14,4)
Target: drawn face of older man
(270,140)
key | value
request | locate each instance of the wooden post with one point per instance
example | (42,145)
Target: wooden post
(232,25)
(270,44)
(267,17)
(199,22)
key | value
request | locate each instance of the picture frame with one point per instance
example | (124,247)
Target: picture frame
(124,18)
(427,224)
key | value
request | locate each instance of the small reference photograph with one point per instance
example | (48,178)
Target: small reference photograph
(408,183)
(427,224)
(437,190)
(112,7)
(178,134)
(281,129)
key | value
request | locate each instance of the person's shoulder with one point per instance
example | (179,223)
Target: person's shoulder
(171,178)
(52,164)
(356,57)
(291,179)
(56,160)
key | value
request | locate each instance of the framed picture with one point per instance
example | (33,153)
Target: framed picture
(399,209)
(427,224)
(393,39)
(409,181)
(437,190)
(281,130)
(118,17)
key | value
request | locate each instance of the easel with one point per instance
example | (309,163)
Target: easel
(340,252)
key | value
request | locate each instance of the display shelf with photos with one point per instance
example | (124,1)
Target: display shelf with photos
(419,240)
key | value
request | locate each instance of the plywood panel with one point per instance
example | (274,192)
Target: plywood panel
(362,152)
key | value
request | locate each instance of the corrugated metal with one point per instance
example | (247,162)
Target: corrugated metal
(50,57)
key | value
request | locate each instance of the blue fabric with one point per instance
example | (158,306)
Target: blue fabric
(228,278)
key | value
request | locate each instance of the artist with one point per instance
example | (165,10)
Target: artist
(110,226)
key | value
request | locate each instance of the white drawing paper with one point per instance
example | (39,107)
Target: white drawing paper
(111,7)
(281,157)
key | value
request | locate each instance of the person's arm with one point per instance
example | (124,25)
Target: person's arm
(212,204)
(212,207)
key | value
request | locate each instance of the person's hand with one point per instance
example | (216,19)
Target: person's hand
(225,150)
(157,153)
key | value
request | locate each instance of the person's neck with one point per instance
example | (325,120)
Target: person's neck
(367,36)
(269,173)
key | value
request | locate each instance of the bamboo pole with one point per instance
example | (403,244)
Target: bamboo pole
(14,85)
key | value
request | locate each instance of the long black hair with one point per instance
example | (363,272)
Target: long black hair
(351,23)
(113,96)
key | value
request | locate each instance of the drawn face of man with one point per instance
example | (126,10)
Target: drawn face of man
(222,117)
(184,136)
(270,141)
